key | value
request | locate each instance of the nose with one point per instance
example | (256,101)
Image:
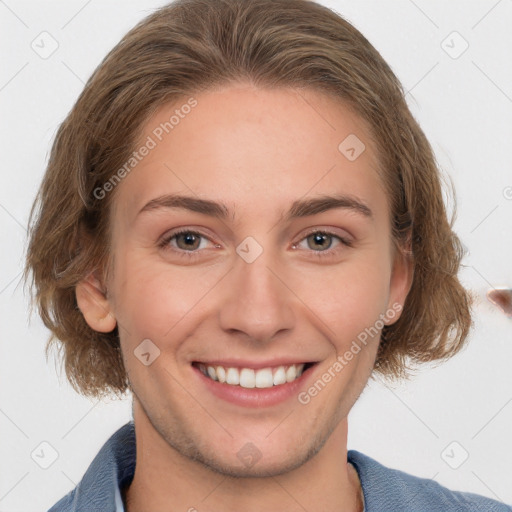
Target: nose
(257,303)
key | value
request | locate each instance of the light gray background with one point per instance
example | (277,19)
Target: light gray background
(464,104)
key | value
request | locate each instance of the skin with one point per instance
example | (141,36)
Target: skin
(256,150)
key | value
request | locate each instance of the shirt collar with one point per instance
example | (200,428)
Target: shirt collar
(112,469)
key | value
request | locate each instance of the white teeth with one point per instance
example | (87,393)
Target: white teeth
(250,378)
(264,378)
(221,374)
(232,376)
(247,378)
(291,373)
(279,376)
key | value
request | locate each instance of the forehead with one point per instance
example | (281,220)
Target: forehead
(246,146)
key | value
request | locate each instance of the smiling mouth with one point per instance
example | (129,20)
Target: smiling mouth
(253,378)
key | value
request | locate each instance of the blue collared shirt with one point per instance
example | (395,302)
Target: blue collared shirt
(384,489)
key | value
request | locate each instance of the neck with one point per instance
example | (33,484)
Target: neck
(166,481)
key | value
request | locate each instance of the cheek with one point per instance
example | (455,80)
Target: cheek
(158,301)
(152,297)
(347,298)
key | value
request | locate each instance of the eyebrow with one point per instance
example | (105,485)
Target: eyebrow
(299,208)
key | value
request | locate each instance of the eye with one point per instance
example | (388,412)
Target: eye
(321,242)
(188,243)
(184,242)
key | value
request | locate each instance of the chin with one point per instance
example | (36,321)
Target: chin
(250,462)
(257,469)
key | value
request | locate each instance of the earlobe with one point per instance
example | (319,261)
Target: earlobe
(94,305)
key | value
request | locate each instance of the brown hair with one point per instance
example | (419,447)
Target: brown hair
(193,45)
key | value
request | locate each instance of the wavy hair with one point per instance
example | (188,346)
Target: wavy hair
(191,46)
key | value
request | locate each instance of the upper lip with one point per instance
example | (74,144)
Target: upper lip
(246,363)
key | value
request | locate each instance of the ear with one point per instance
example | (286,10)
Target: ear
(400,285)
(94,305)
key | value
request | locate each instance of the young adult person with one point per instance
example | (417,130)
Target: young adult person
(240,223)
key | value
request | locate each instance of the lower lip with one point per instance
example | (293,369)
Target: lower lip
(254,397)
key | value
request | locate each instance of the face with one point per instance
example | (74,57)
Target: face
(268,288)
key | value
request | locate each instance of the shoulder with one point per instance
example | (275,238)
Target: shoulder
(392,490)
(113,466)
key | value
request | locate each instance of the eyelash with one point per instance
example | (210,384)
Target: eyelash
(164,243)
